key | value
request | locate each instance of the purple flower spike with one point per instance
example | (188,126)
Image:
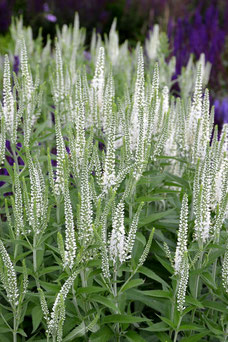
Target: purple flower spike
(8,146)
(101,146)
(4,172)
(16,64)
(50,17)
(19,145)
(221,111)
(8,194)
(87,55)
(46,7)
(20,161)
(10,160)
(53,162)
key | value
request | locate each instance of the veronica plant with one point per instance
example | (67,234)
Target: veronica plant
(111,175)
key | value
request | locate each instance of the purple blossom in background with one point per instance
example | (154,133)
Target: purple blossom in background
(87,55)
(10,159)
(54,162)
(221,111)
(50,17)
(8,194)
(200,34)
(46,7)
(16,64)
(4,172)
(101,146)
(5,15)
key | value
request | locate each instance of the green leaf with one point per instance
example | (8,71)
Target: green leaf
(123,319)
(21,332)
(152,181)
(137,295)
(191,326)
(132,336)
(152,275)
(45,237)
(154,217)
(215,328)
(108,302)
(50,287)
(168,321)
(180,180)
(193,301)
(208,280)
(158,293)
(90,289)
(104,335)
(165,264)
(22,256)
(149,198)
(215,306)
(36,317)
(161,326)
(194,338)
(132,283)
(163,337)
(49,270)
(77,332)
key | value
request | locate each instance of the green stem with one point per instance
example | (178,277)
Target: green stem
(58,211)
(177,329)
(15,250)
(130,211)
(15,157)
(84,284)
(197,278)
(214,268)
(17,168)
(14,326)
(197,283)
(116,300)
(75,302)
(34,254)
(173,307)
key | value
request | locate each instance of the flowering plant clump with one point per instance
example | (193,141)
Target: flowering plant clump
(114,194)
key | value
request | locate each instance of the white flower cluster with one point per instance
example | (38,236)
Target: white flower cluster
(182,238)
(37,205)
(70,242)
(116,126)
(225,270)
(181,265)
(56,318)
(8,276)
(18,204)
(117,239)
(183,283)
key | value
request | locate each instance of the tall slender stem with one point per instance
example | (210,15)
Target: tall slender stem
(197,283)
(34,254)
(15,157)
(173,307)
(14,326)
(75,302)
(15,250)
(177,329)
(116,299)
(58,212)
(197,278)
(17,168)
